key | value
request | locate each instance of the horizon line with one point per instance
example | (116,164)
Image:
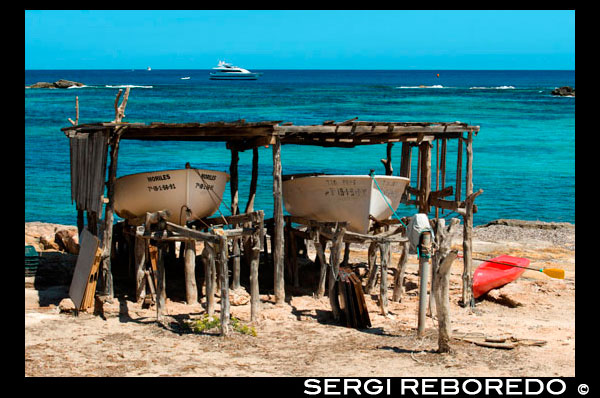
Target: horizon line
(315,69)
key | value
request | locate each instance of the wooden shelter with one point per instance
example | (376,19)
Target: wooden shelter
(91,144)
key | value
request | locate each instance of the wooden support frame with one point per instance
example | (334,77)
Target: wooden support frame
(215,255)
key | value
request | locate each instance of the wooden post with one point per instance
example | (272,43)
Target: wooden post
(424,250)
(161,291)
(399,278)
(191,289)
(278,263)
(467,277)
(248,245)
(254,263)
(320,247)
(79,222)
(467,296)
(459,171)
(253,181)
(293,256)
(346,254)
(444,257)
(140,272)
(224,285)
(387,162)
(469,166)
(334,260)
(233,185)
(208,257)
(443,302)
(384,252)
(405,161)
(373,267)
(437,175)
(92,222)
(443,166)
(107,281)
(425,185)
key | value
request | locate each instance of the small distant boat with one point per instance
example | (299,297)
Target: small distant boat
(149,68)
(226,71)
(491,275)
(351,198)
(200,191)
(185,78)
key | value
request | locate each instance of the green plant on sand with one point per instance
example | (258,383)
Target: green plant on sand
(208,322)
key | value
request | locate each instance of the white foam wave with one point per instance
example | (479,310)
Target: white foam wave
(127,85)
(493,88)
(422,86)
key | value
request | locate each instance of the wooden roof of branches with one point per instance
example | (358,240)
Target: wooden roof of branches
(244,135)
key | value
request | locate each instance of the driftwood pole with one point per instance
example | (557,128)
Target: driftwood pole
(208,257)
(334,260)
(424,250)
(387,162)
(278,260)
(384,252)
(256,241)
(399,278)
(233,185)
(108,289)
(320,247)
(224,285)
(161,291)
(140,272)
(373,267)
(107,280)
(191,289)
(444,257)
(247,241)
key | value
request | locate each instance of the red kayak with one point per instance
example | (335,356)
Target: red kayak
(490,275)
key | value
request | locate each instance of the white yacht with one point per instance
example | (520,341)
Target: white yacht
(226,71)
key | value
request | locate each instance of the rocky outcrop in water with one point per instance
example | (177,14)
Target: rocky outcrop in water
(57,84)
(565,91)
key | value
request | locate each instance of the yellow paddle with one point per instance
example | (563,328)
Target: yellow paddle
(556,273)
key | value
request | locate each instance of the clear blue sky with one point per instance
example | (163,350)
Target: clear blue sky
(286,39)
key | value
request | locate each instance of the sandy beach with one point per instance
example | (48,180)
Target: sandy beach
(300,338)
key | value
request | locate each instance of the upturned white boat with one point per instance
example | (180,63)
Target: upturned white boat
(200,191)
(351,198)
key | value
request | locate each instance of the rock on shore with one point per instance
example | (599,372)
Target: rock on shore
(57,84)
(565,91)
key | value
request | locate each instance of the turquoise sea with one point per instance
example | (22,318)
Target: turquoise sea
(524,154)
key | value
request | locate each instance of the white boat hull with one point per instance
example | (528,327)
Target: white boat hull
(201,191)
(231,76)
(350,198)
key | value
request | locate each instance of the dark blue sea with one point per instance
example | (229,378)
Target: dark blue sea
(524,154)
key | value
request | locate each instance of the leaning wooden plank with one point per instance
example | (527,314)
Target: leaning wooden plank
(90,289)
(83,267)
